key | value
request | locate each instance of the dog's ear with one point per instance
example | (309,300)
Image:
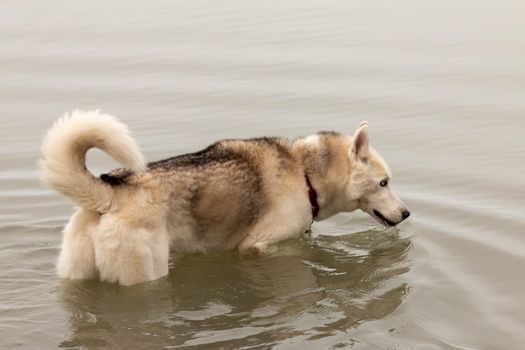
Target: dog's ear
(360,145)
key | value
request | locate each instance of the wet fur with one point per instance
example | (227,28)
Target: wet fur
(236,194)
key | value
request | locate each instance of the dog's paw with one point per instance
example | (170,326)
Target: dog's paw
(259,249)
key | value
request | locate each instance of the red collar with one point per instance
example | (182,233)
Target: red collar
(312,195)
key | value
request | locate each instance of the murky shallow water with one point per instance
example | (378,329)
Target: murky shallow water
(442,85)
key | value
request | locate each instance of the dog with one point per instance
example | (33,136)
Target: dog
(244,195)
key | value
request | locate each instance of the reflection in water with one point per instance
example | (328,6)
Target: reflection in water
(312,289)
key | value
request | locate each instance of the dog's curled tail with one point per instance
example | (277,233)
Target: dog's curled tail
(64,149)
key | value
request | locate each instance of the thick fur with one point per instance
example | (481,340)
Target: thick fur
(236,194)
(64,150)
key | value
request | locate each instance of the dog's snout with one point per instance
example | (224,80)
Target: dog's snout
(405,214)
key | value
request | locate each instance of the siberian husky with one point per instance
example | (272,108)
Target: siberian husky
(244,195)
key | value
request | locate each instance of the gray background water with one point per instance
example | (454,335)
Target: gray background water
(442,85)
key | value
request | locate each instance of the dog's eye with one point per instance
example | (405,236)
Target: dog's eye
(383,183)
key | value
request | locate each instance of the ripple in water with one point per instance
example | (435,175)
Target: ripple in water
(317,288)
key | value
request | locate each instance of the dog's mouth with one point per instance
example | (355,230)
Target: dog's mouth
(386,222)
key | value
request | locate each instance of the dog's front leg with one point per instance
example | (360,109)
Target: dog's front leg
(262,239)
(251,248)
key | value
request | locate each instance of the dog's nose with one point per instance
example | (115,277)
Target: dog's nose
(406,214)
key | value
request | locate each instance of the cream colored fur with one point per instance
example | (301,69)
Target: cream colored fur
(97,243)
(64,149)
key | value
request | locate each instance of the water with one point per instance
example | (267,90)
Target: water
(442,86)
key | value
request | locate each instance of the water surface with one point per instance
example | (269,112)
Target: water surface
(442,86)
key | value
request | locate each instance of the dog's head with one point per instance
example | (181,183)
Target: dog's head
(370,181)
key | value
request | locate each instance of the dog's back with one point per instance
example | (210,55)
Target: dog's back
(216,195)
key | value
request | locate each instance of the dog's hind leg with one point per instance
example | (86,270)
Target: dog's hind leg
(130,255)
(77,257)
